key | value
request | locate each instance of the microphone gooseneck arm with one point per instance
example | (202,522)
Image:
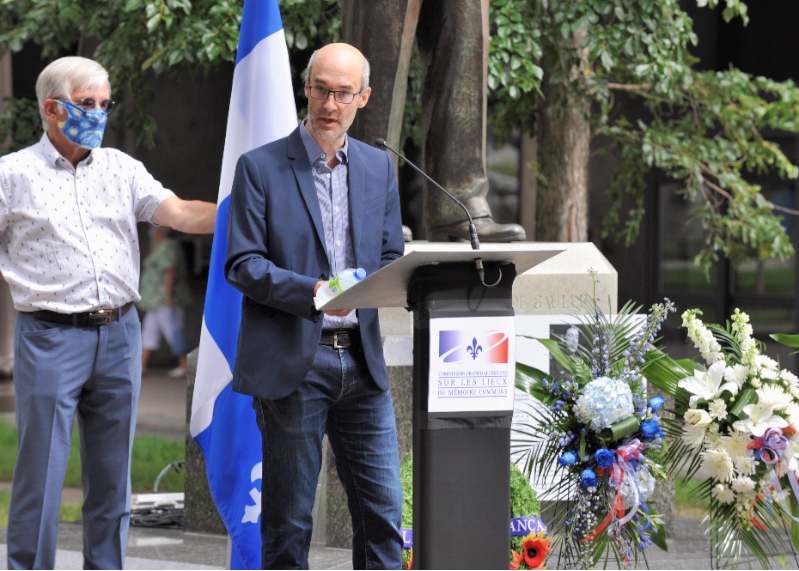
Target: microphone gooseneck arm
(381,143)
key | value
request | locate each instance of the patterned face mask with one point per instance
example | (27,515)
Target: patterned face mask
(84,128)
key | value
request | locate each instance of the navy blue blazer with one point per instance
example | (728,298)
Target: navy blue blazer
(276,253)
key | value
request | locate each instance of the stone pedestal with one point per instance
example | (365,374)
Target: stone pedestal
(199,513)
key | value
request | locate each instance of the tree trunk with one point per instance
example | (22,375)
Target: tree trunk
(564,135)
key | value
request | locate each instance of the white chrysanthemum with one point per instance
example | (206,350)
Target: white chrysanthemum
(746,465)
(756,383)
(718,464)
(736,444)
(792,379)
(736,374)
(766,362)
(712,437)
(742,484)
(723,494)
(718,409)
(769,374)
(773,396)
(694,436)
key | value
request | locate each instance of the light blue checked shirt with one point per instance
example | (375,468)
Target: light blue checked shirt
(333,192)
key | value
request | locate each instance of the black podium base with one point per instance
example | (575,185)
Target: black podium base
(461,472)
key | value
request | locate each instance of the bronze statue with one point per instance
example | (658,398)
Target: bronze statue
(453,42)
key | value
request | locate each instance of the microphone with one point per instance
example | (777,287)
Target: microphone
(381,143)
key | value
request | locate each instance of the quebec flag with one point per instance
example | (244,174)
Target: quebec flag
(223,423)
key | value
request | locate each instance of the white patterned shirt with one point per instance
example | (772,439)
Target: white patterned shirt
(68,237)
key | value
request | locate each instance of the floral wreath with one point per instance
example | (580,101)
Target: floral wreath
(599,439)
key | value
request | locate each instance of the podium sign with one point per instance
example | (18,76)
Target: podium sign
(474,367)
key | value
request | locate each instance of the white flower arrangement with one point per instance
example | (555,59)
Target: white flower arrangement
(741,429)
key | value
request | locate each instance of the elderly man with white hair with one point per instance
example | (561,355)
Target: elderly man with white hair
(69,252)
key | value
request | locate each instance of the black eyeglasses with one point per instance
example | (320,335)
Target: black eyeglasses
(322,94)
(88,104)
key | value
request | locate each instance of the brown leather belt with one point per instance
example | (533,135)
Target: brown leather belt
(341,338)
(88,319)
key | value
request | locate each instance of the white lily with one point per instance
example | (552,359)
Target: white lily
(760,418)
(708,385)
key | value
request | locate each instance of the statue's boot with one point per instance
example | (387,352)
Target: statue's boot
(407,233)
(487,231)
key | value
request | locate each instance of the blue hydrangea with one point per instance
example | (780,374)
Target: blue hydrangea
(603,402)
(656,402)
(604,458)
(567,458)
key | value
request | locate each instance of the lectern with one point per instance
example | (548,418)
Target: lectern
(464,378)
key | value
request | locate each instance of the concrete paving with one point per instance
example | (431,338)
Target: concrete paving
(162,412)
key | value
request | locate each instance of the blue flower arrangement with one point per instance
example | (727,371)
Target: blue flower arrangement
(598,439)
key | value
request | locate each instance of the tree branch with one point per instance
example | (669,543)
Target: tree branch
(629,87)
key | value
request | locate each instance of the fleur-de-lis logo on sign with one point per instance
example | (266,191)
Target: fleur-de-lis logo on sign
(474,349)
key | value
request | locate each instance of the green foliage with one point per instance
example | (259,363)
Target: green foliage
(70,512)
(5,501)
(406,477)
(704,129)
(150,455)
(20,123)
(310,23)
(136,40)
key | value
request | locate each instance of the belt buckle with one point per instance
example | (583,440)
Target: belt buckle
(345,339)
(101,317)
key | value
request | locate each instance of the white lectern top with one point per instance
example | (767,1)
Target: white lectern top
(388,287)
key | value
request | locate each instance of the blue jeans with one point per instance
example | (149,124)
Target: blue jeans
(338,397)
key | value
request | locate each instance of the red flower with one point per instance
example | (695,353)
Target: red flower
(535,548)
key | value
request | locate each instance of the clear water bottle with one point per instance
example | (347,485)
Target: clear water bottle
(343,281)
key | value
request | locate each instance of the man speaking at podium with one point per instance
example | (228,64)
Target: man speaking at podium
(303,209)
